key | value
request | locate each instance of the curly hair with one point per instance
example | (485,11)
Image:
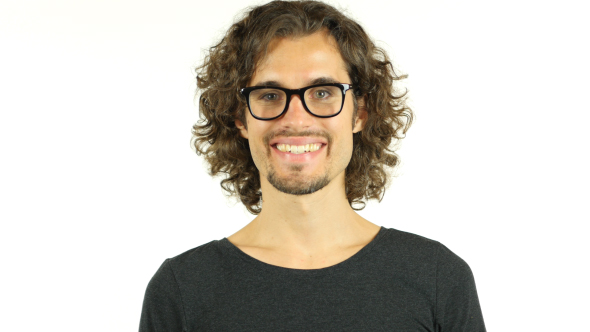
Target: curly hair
(229,66)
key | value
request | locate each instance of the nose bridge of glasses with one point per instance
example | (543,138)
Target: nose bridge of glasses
(295,94)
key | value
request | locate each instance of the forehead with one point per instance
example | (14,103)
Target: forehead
(293,61)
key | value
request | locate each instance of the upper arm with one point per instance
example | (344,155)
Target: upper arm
(457,303)
(163,310)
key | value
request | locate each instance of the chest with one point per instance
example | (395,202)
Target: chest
(356,301)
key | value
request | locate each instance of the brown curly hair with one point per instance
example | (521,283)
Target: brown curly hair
(230,64)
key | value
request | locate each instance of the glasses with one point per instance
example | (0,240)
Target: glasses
(321,100)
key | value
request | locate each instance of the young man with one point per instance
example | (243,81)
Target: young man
(299,110)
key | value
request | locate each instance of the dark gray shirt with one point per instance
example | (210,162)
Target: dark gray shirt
(398,282)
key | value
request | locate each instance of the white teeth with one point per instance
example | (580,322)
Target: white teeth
(298,149)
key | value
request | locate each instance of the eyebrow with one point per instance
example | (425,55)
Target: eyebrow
(319,80)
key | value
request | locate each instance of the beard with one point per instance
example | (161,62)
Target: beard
(292,185)
(295,183)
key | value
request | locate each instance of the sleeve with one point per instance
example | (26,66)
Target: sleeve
(162,309)
(457,304)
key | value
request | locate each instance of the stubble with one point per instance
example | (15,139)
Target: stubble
(296,183)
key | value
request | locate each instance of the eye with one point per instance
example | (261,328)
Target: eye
(321,94)
(270,96)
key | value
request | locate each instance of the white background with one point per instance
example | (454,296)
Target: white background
(99,184)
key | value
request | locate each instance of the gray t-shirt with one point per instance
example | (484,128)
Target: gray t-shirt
(398,282)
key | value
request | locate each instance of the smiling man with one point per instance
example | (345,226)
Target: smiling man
(299,110)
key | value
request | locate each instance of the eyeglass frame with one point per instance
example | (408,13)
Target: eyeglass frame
(344,87)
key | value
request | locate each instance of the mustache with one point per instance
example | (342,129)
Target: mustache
(289,133)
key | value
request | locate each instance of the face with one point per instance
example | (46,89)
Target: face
(295,63)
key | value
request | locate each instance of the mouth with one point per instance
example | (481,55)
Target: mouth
(307,148)
(298,153)
(298,149)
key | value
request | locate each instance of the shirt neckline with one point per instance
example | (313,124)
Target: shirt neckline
(234,250)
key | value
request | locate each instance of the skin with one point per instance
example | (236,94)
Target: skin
(319,229)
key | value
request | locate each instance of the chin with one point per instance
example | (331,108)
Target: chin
(293,187)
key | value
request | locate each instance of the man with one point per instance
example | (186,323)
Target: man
(299,111)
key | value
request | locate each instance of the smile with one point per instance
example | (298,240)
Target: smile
(298,149)
(308,153)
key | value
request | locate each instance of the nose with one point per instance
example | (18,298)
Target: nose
(296,115)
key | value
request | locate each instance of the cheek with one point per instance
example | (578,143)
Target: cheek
(343,143)
(258,149)
(347,149)
(257,154)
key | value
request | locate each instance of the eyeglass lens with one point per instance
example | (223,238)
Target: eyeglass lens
(320,100)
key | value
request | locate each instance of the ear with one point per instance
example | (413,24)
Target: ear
(242,128)
(361,115)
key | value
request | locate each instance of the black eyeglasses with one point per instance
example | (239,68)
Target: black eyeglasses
(321,100)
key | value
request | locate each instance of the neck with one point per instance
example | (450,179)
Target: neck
(310,224)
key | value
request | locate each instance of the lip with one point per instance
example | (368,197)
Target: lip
(298,141)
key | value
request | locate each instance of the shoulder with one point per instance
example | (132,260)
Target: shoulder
(425,256)
(165,304)
(187,262)
(407,238)
(196,260)
(409,244)
(415,249)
